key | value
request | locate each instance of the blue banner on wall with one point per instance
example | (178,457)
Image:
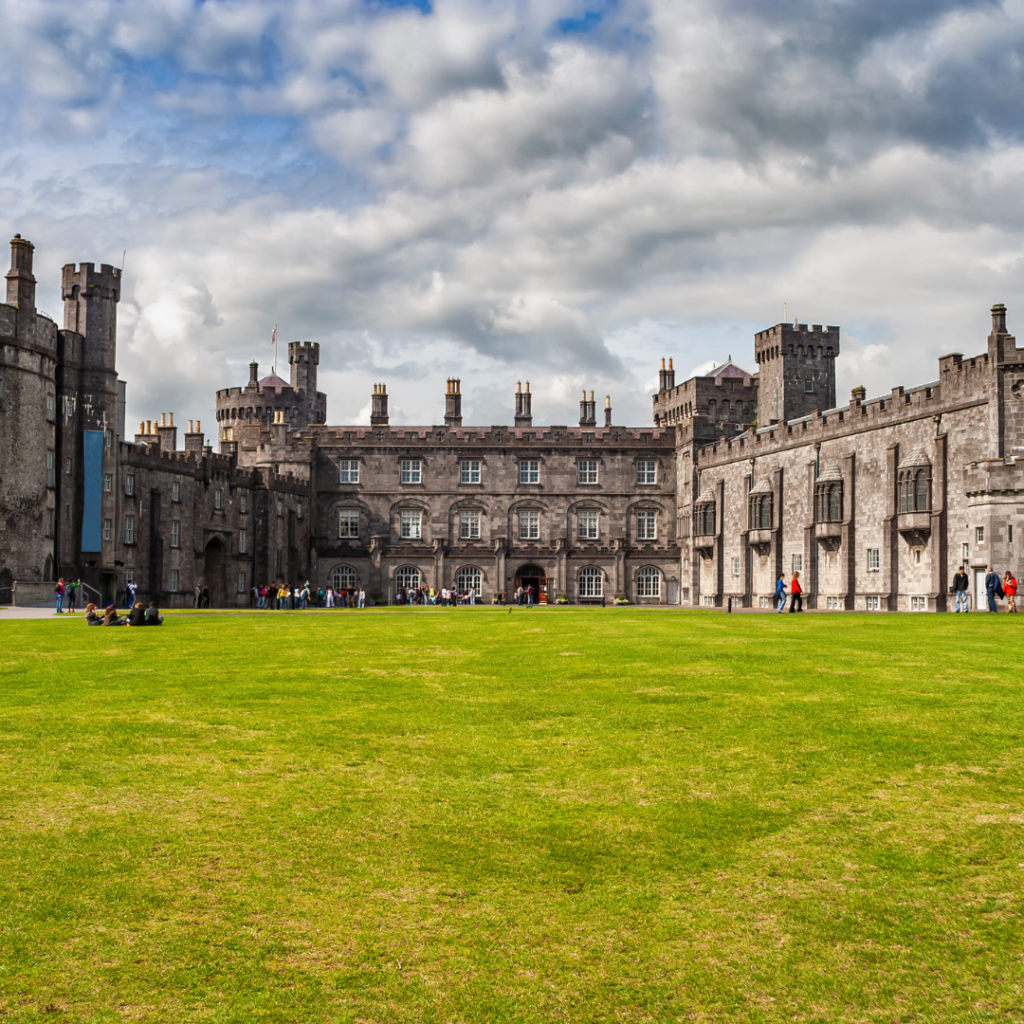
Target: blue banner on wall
(92,504)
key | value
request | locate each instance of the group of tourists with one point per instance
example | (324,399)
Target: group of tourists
(996,589)
(445,596)
(65,595)
(138,615)
(282,596)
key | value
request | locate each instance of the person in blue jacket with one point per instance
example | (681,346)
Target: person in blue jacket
(993,588)
(780,594)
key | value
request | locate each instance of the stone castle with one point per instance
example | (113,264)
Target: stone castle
(741,478)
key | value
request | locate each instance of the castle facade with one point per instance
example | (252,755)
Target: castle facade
(742,477)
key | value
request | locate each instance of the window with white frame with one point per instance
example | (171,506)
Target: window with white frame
(243,542)
(218,498)
(874,560)
(129,529)
(410,524)
(469,579)
(51,408)
(798,563)
(175,581)
(529,525)
(67,472)
(469,524)
(411,472)
(586,471)
(529,471)
(647,524)
(648,583)
(108,439)
(343,577)
(469,471)
(348,471)
(241,583)
(175,533)
(243,501)
(129,484)
(408,577)
(108,528)
(129,575)
(871,603)
(765,602)
(708,601)
(590,582)
(647,471)
(832,604)
(735,567)
(965,553)
(176,491)
(108,481)
(586,524)
(979,535)
(49,469)
(348,523)
(919,604)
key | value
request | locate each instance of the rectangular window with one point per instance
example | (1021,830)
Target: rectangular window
(979,535)
(280,507)
(469,524)
(1009,533)
(919,604)
(241,583)
(176,491)
(129,529)
(217,499)
(529,525)
(108,481)
(348,471)
(708,601)
(411,525)
(873,560)
(469,471)
(765,602)
(67,472)
(108,439)
(108,528)
(51,408)
(735,567)
(832,604)
(411,472)
(129,575)
(49,469)
(647,525)
(129,484)
(586,471)
(586,524)
(647,472)
(243,501)
(529,471)
(348,524)
(798,563)
(175,581)
(242,542)
(49,522)
(872,604)
(175,533)
(965,553)
(298,510)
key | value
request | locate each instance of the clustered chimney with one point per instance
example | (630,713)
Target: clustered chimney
(453,403)
(21,285)
(588,410)
(167,432)
(194,437)
(666,378)
(379,406)
(524,405)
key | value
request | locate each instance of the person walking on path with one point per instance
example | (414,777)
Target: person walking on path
(796,595)
(780,594)
(993,588)
(961,583)
(1010,590)
(529,596)
(58,595)
(362,598)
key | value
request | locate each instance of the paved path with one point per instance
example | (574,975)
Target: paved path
(32,612)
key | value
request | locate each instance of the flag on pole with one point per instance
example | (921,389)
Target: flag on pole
(273,341)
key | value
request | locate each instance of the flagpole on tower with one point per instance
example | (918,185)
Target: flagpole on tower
(273,341)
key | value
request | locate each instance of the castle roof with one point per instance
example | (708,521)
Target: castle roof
(273,381)
(728,369)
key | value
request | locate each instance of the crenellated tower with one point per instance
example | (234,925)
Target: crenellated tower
(797,370)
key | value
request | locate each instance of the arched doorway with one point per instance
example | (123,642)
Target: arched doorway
(533,576)
(213,572)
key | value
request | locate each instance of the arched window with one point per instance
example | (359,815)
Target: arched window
(712,409)
(590,582)
(469,578)
(648,582)
(922,488)
(408,576)
(343,577)
(828,502)
(904,490)
(725,409)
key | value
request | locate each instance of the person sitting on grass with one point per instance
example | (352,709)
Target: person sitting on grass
(92,617)
(137,616)
(153,616)
(110,617)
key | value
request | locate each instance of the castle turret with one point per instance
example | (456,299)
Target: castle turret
(797,370)
(90,309)
(524,406)
(304,357)
(453,403)
(379,406)
(21,284)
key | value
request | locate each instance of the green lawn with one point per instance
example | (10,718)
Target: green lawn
(475,815)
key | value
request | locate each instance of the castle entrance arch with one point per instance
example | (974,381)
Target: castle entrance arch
(536,577)
(213,571)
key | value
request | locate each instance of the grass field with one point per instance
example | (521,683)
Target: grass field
(470,815)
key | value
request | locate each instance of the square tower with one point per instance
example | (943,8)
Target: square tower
(796,370)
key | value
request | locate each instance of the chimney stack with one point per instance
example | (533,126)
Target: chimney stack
(998,315)
(524,410)
(588,411)
(453,403)
(194,438)
(254,373)
(167,433)
(21,285)
(379,406)
(607,410)
(859,393)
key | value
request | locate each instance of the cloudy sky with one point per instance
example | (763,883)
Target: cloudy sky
(548,190)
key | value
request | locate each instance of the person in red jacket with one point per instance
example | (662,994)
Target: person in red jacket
(796,595)
(1010,590)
